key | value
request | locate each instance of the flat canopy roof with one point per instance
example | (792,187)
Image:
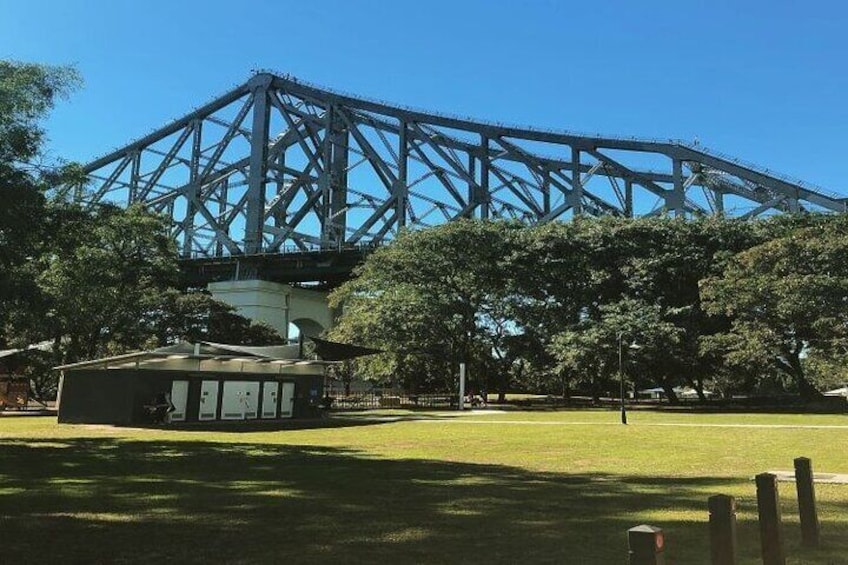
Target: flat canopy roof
(211,356)
(43,346)
(205,356)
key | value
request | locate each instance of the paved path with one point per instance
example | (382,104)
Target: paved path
(827,478)
(639,424)
(14,413)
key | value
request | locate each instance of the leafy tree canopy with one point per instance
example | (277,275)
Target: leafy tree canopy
(27,93)
(94,281)
(433,299)
(786,298)
(725,303)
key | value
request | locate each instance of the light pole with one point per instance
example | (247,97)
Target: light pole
(621,380)
(461,403)
(621,376)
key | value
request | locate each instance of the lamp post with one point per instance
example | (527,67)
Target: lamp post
(621,375)
(461,402)
(621,380)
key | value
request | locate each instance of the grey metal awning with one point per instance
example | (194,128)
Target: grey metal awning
(41,346)
(205,356)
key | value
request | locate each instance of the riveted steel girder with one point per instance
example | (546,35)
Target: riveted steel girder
(280,165)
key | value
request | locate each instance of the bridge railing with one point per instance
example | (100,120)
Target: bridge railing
(304,249)
(373,400)
(763,170)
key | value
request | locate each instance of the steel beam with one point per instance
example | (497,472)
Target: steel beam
(194,187)
(576,182)
(426,169)
(258,175)
(338,183)
(483,195)
(677,197)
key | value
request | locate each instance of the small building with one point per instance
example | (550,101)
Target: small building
(14,383)
(654,393)
(196,382)
(689,393)
(682,392)
(14,393)
(838,392)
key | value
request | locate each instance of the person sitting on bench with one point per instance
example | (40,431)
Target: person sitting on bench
(160,407)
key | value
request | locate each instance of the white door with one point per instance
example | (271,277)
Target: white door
(208,401)
(270,390)
(232,403)
(251,400)
(179,398)
(287,401)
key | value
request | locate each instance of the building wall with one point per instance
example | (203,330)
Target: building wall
(96,397)
(119,396)
(14,392)
(277,305)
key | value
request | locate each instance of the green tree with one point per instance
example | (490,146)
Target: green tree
(27,93)
(576,272)
(95,282)
(670,259)
(108,283)
(195,315)
(431,300)
(590,348)
(398,321)
(550,285)
(101,285)
(786,298)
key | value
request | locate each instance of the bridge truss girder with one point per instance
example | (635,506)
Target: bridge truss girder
(279,165)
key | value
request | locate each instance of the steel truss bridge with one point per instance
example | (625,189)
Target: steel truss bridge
(280,167)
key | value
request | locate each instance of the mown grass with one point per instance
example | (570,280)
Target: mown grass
(406,487)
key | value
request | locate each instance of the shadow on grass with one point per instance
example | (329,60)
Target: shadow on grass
(106,500)
(341,420)
(250,426)
(831,406)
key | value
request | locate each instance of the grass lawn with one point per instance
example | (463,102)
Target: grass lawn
(423,487)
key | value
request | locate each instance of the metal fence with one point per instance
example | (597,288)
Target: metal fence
(337,400)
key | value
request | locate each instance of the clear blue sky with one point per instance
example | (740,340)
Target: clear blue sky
(763,80)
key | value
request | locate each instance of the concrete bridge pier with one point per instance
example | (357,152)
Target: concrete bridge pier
(277,305)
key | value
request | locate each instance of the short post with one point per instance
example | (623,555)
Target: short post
(810,529)
(646,545)
(722,529)
(461,386)
(768,507)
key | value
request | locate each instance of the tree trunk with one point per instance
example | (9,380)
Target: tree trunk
(566,390)
(503,383)
(698,385)
(805,388)
(670,394)
(596,391)
(56,351)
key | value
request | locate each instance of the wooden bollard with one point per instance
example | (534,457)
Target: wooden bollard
(768,507)
(810,529)
(722,529)
(646,545)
